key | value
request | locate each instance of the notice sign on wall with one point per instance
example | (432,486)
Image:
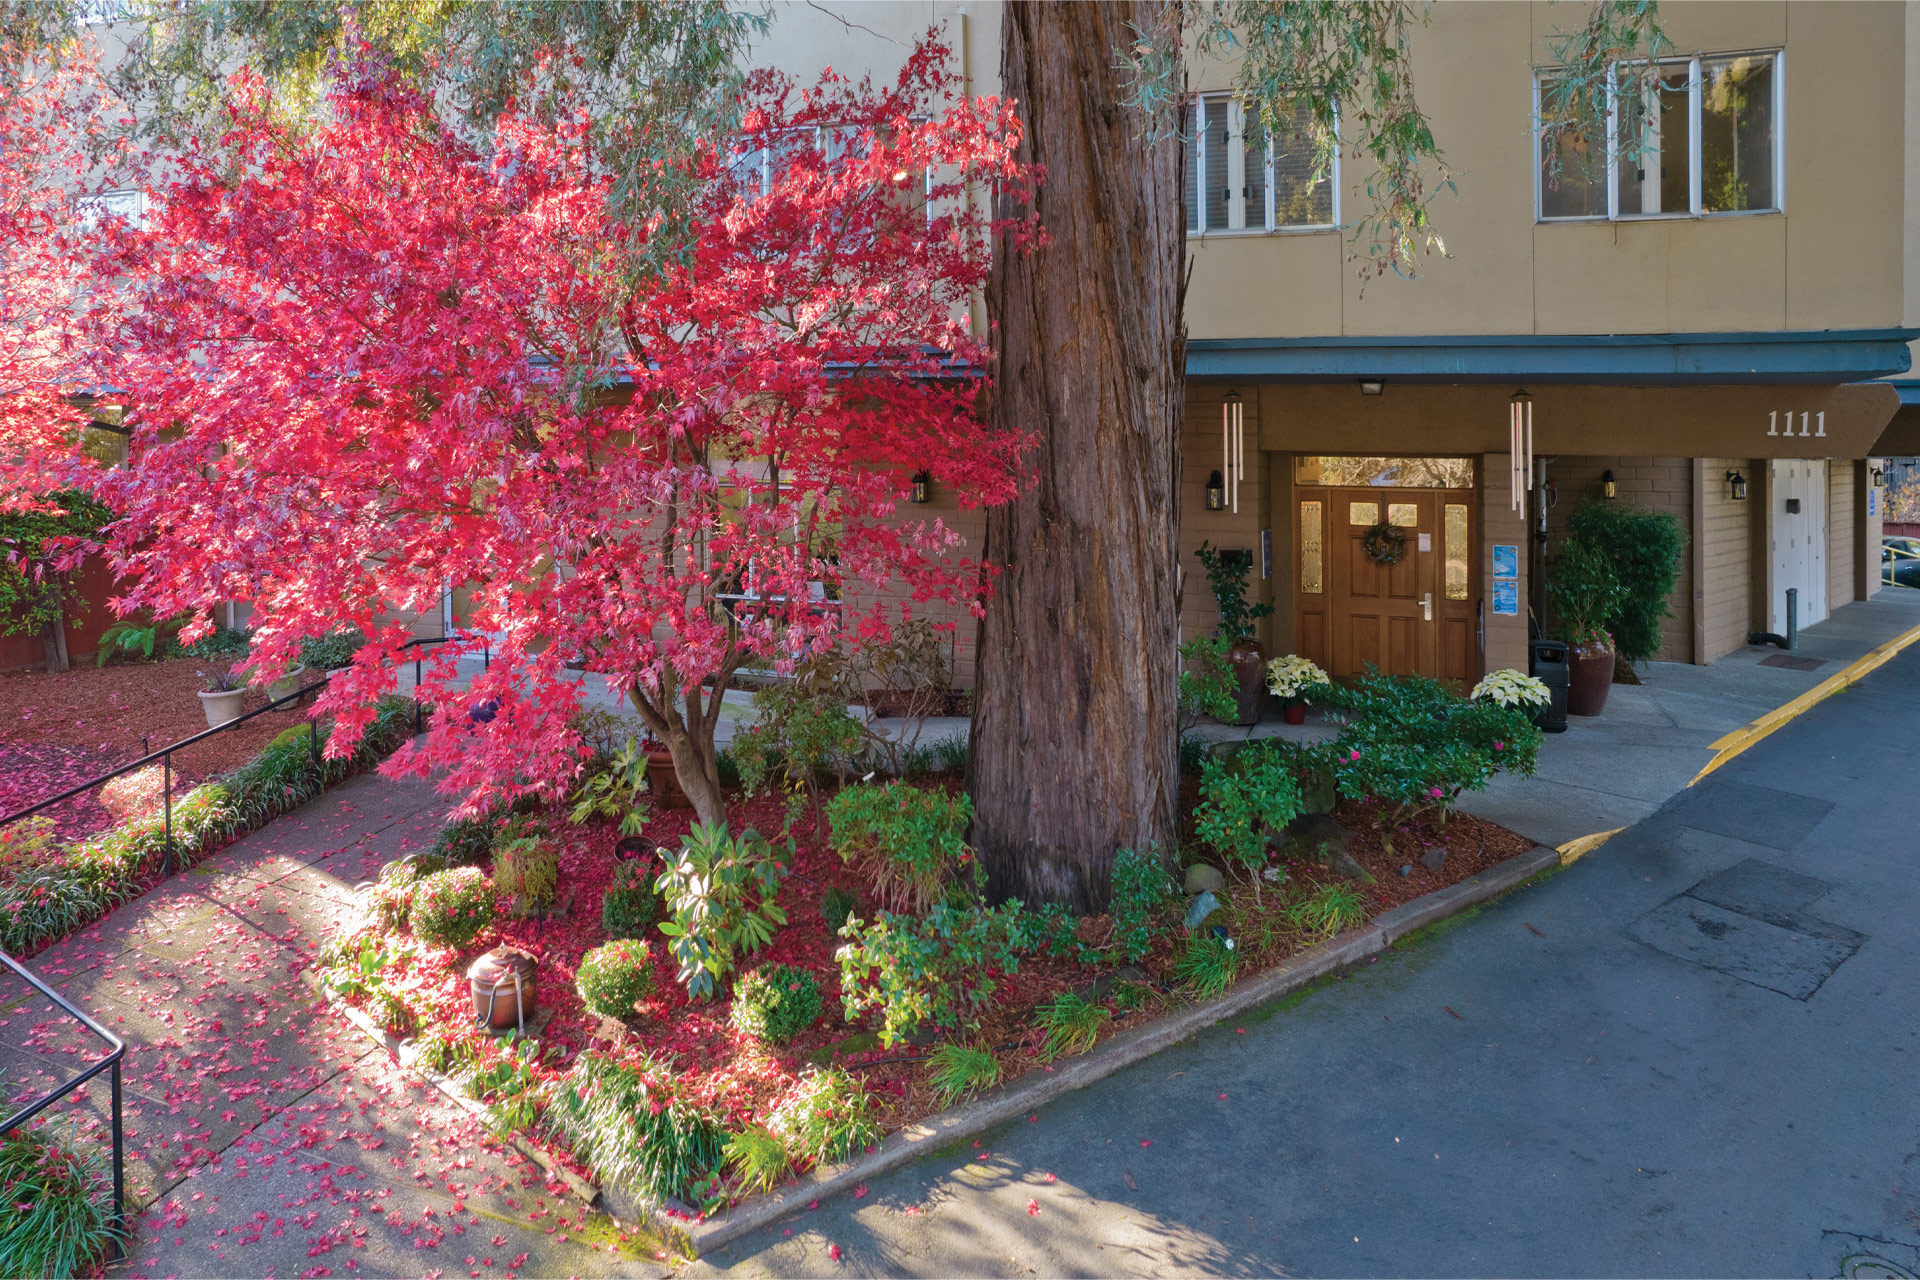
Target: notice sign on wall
(1873,501)
(1506,579)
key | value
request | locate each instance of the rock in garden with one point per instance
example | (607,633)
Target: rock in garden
(1318,793)
(1406,869)
(1434,858)
(1202,878)
(1314,837)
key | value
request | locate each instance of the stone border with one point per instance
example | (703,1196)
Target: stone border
(1017,1098)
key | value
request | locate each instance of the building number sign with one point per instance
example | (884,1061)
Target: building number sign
(1818,420)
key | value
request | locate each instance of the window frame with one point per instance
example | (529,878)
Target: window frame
(1695,94)
(1197,141)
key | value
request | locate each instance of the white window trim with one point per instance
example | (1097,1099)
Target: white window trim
(1200,179)
(1695,211)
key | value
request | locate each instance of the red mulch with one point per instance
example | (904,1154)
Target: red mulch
(1472,845)
(106,710)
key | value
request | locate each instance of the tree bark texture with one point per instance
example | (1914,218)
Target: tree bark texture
(53,639)
(1075,749)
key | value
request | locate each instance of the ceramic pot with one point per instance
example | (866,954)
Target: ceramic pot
(664,782)
(222,707)
(505,985)
(1589,676)
(286,684)
(1250,679)
(1296,711)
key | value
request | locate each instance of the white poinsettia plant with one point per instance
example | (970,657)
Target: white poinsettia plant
(1293,676)
(1512,688)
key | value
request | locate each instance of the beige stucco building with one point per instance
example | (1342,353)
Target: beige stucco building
(1720,328)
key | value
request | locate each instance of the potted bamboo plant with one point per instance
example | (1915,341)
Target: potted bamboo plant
(1227,575)
(1586,592)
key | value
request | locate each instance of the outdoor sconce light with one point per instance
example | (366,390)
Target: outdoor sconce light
(1879,478)
(1608,488)
(922,487)
(1371,386)
(1216,492)
(1736,486)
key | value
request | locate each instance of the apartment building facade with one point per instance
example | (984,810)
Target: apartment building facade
(1717,329)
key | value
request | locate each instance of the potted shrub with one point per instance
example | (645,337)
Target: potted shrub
(662,779)
(1585,591)
(222,696)
(1292,679)
(1227,575)
(1644,547)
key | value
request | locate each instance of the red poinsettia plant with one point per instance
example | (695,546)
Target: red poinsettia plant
(373,359)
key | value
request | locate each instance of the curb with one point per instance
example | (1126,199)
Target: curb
(1020,1097)
(1732,744)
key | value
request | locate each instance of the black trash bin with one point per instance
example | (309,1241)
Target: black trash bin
(1549,666)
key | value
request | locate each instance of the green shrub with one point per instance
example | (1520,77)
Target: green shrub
(827,1118)
(1644,548)
(614,977)
(452,908)
(614,790)
(1585,591)
(526,864)
(1415,744)
(836,904)
(467,842)
(1207,966)
(775,1004)
(720,893)
(1227,572)
(507,1079)
(58,1212)
(913,839)
(801,729)
(1207,685)
(1054,927)
(941,968)
(1328,910)
(956,1070)
(629,1125)
(629,904)
(330,653)
(229,644)
(1244,800)
(1140,885)
(1072,1023)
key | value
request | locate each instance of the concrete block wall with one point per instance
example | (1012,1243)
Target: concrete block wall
(1506,638)
(1659,484)
(1201,455)
(1723,556)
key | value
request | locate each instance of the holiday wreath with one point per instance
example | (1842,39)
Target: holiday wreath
(1385,543)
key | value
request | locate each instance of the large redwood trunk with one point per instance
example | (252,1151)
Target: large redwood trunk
(1075,737)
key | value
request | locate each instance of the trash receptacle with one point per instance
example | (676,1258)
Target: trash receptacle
(1549,667)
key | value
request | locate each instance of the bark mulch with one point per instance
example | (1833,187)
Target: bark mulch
(100,714)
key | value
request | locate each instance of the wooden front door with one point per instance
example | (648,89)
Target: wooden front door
(1412,617)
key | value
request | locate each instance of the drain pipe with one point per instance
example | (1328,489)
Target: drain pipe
(1791,640)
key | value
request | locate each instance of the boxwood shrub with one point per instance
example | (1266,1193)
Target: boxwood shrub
(775,1003)
(452,908)
(611,978)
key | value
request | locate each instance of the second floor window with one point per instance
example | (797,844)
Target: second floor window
(1240,182)
(1702,141)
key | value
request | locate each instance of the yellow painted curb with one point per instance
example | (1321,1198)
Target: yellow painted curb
(1731,745)
(1573,850)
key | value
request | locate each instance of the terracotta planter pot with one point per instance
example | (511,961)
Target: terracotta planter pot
(222,707)
(1296,712)
(1589,676)
(1250,677)
(505,988)
(664,781)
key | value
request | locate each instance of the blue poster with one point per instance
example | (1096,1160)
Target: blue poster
(1506,597)
(1506,560)
(1873,501)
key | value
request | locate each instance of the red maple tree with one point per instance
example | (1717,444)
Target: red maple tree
(373,359)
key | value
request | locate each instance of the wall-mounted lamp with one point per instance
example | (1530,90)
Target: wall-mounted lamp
(1736,486)
(1371,386)
(1609,489)
(1216,492)
(1879,478)
(922,487)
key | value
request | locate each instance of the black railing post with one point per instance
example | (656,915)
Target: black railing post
(166,765)
(313,739)
(119,1161)
(416,696)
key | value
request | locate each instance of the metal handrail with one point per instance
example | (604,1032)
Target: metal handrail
(165,754)
(117,1050)
(1889,556)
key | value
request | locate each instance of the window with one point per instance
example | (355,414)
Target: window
(1702,140)
(1387,473)
(1266,186)
(129,206)
(756,162)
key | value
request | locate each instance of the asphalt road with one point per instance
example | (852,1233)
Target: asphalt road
(1698,1060)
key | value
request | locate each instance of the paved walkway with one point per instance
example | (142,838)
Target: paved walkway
(265,1135)
(1687,1054)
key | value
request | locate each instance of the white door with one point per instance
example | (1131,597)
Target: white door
(1799,493)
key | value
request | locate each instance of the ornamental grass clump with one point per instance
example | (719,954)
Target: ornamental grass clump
(1072,1024)
(1208,965)
(827,1118)
(757,1158)
(912,840)
(628,1123)
(955,1070)
(1328,910)
(452,908)
(614,977)
(57,1216)
(775,1003)
(526,864)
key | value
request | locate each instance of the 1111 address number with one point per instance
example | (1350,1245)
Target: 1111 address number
(1818,420)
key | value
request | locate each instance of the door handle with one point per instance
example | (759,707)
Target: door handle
(1426,607)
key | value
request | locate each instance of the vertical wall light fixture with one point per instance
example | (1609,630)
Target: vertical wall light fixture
(1609,487)
(1233,446)
(1520,446)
